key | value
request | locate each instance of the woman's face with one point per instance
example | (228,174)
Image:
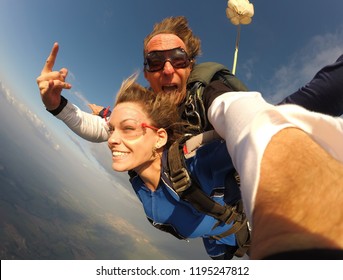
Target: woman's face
(132,140)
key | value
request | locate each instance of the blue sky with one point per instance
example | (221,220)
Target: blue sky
(101,41)
(101,44)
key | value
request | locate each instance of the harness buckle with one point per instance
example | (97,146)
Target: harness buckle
(181,180)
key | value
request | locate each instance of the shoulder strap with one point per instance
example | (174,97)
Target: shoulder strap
(189,190)
(204,72)
(208,71)
(201,75)
(193,143)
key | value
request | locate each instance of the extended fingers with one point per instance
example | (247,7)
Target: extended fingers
(50,62)
(53,75)
(96,109)
(51,85)
(64,72)
(44,86)
(61,85)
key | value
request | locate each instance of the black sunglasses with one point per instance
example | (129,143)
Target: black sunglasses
(154,61)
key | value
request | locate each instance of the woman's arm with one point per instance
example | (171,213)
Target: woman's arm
(50,84)
(88,126)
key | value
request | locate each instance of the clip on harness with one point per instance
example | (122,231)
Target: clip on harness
(188,189)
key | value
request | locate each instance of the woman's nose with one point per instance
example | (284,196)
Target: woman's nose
(114,138)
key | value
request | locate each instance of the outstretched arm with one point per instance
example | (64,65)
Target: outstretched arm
(96,109)
(88,126)
(51,83)
(299,200)
(290,162)
(324,93)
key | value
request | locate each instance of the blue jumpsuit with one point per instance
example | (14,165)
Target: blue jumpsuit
(213,168)
(212,164)
(167,211)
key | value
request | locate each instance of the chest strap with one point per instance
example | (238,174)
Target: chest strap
(188,188)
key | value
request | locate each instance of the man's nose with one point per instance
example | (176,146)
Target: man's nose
(168,68)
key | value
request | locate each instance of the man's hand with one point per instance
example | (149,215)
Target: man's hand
(51,83)
(96,109)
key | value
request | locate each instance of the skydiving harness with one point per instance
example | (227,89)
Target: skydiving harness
(175,168)
(201,75)
(189,190)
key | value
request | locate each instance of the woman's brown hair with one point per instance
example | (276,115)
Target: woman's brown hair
(159,107)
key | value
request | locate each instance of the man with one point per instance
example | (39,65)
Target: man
(170,52)
(290,163)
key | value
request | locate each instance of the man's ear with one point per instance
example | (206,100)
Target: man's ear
(162,138)
(192,63)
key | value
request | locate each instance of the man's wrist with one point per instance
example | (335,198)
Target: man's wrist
(60,107)
(105,112)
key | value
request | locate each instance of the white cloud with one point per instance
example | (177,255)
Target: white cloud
(81,97)
(303,65)
(247,69)
(71,76)
(78,94)
(24,111)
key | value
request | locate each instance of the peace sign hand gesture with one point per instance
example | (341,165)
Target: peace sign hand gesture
(51,83)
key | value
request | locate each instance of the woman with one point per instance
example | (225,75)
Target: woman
(142,127)
(170,54)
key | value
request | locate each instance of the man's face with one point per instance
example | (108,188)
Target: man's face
(169,79)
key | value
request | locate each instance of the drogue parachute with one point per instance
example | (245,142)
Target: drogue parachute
(239,12)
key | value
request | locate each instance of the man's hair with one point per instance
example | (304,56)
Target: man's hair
(159,107)
(179,27)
